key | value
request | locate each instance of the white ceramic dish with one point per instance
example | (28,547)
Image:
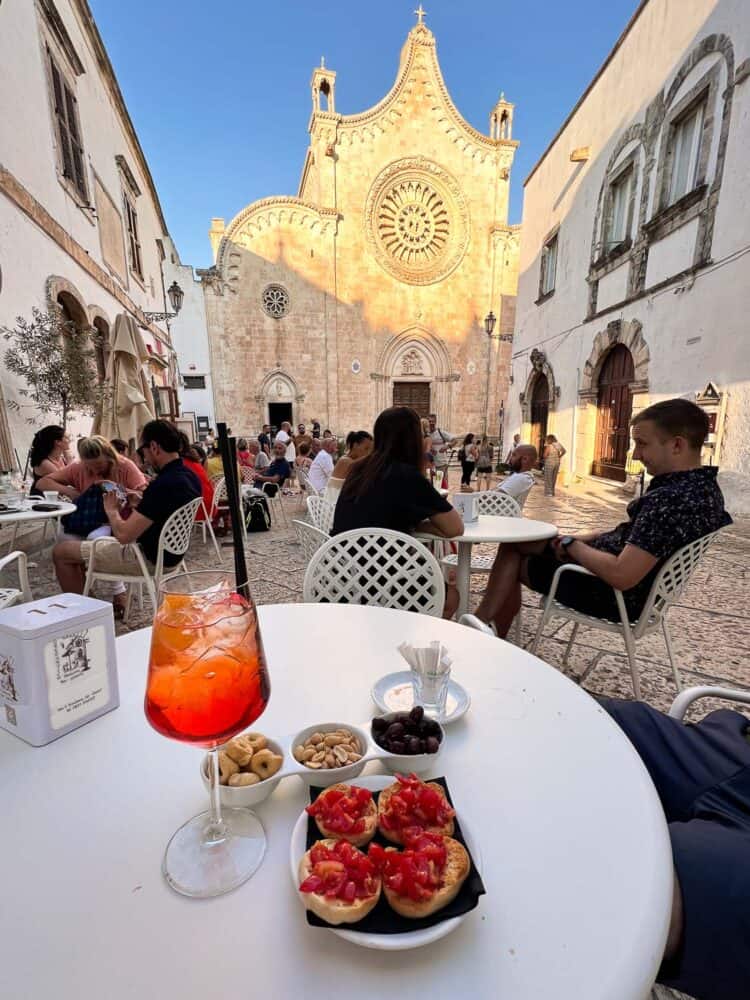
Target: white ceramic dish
(384,942)
(402,763)
(394,693)
(246,796)
(330,776)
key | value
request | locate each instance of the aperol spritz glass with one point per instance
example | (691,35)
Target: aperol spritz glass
(208,681)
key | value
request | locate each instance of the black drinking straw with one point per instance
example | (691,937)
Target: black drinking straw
(228,449)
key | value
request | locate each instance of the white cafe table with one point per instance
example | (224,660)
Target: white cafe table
(27,514)
(575,851)
(490,528)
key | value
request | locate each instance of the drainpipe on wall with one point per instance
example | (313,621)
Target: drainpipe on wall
(574,440)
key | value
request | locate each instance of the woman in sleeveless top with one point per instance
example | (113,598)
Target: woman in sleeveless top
(484,463)
(48,454)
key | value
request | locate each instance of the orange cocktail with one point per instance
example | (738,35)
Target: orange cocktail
(207,681)
(207,675)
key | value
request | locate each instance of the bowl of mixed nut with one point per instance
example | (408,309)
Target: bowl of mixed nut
(330,752)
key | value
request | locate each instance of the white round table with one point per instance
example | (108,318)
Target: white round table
(490,528)
(576,856)
(27,514)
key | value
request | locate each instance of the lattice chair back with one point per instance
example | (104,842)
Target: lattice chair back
(220,495)
(378,567)
(498,503)
(247,476)
(304,481)
(177,531)
(309,537)
(321,513)
(672,579)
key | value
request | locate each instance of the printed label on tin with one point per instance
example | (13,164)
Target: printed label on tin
(77,678)
(9,680)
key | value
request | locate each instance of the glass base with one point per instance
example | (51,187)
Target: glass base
(201,862)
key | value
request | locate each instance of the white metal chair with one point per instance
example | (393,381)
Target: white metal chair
(376,566)
(247,476)
(309,537)
(16,595)
(221,503)
(667,587)
(205,525)
(473,622)
(174,539)
(685,698)
(275,501)
(321,513)
(306,488)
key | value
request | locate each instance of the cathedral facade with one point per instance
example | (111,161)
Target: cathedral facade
(372,285)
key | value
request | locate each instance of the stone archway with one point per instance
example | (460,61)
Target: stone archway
(279,393)
(538,400)
(416,363)
(629,334)
(619,331)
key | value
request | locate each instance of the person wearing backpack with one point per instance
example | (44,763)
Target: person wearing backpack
(553,452)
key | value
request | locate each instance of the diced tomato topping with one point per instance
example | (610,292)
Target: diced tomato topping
(415,805)
(341,811)
(340,872)
(415,873)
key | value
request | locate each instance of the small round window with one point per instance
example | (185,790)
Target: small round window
(276,301)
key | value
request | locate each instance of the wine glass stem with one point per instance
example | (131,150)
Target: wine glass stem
(216,829)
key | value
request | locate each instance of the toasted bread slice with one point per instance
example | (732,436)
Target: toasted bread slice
(370,817)
(335,911)
(457,866)
(446,830)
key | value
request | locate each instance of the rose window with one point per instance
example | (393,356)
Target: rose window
(275,301)
(416,221)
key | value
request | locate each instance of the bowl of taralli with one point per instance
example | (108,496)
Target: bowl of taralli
(330,752)
(250,768)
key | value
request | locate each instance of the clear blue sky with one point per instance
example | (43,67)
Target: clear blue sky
(219,91)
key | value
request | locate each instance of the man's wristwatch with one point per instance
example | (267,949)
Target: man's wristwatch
(566,541)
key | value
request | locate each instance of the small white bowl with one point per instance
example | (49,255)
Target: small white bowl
(407,763)
(325,776)
(243,796)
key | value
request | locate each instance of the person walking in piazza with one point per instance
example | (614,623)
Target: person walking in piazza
(553,452)
(485,454)
(442,443)
(284,436)
(467,456)
(516,442)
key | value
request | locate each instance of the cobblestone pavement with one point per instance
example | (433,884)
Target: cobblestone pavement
(710,625)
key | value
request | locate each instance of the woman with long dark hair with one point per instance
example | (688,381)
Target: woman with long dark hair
(388,489)
(467,456)
(48,450)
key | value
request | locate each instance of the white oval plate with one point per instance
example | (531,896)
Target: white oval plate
(394,693)
(383,942)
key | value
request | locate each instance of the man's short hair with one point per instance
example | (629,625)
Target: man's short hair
(677,418)
(163,433)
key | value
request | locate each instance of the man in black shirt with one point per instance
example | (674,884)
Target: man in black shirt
(683,502)
(174,486)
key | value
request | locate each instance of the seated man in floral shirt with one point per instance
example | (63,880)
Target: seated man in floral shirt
(682,503)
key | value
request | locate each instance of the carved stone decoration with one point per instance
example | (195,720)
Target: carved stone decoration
(275,300)
(411,363)
(416,221)
(537,359)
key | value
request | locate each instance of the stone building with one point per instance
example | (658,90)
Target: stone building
(634,269)
(371,285)
(81,226)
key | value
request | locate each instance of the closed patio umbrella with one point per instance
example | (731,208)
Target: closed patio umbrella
(127,407)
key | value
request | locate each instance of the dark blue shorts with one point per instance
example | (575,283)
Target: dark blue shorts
(702,775)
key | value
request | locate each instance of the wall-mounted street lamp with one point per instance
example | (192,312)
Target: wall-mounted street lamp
(490,320)
(176,295)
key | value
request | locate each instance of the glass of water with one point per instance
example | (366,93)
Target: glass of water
(430,675)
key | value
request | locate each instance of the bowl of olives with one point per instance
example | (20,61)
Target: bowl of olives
(409,740)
